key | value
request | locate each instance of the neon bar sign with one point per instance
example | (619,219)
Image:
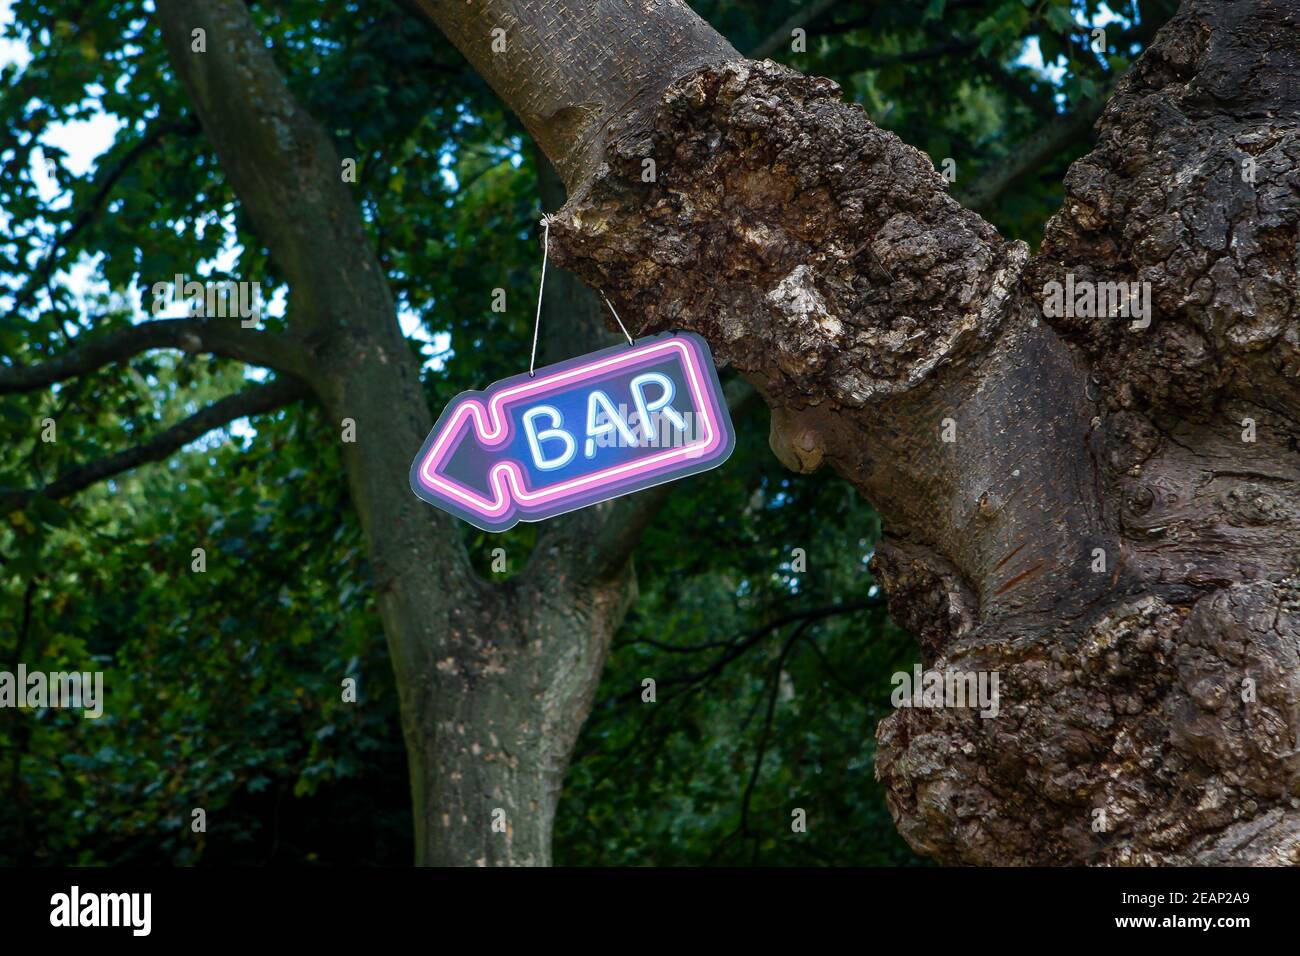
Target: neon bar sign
(583,431)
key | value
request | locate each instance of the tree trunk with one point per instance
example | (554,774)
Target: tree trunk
(494,680)
(1100,511)
(515,688)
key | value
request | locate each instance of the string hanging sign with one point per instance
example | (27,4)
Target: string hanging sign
(576,433)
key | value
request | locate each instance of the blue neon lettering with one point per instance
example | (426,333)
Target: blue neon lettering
(613,423)
(554,433)
(660,404)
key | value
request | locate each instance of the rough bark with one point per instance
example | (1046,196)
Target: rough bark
(494,680)
(824,259)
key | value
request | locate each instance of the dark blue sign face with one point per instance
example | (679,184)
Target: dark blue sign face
(583,431)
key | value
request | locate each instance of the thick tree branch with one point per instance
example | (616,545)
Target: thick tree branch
(825,260)
(288,175)
(224,337)
(1190,201)
(569,67)
(277,158)
(256,400)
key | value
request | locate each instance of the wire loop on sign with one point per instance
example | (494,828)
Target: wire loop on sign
(541,285)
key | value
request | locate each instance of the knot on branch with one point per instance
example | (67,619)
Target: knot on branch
(796,442)
(818,253)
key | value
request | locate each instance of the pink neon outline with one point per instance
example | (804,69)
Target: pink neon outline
(490,426)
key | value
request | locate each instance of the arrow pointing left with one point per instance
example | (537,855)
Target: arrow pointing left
(579,432)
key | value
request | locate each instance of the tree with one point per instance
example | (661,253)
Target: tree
(73,565)
(1110,524)
(874,315)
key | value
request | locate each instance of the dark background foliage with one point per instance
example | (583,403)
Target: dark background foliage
(758,618)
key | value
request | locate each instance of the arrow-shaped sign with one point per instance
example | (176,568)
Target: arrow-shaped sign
(582,431)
